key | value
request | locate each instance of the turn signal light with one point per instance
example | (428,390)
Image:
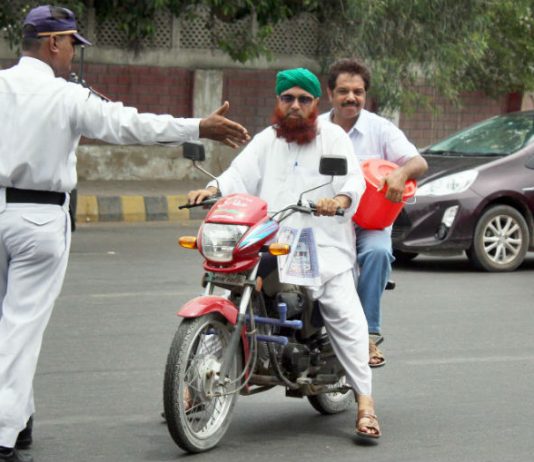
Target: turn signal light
(278,249)
(188,242)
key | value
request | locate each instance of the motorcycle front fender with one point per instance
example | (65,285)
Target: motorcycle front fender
(206,304)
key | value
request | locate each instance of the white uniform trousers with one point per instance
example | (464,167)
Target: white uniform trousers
(34,250)
(346,326)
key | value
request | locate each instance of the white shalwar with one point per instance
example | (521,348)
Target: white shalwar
(41,121)
(278,171)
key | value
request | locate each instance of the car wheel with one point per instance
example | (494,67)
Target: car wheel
(403,258)
(500,240)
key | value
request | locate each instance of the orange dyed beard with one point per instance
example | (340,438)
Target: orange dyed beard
(295,129)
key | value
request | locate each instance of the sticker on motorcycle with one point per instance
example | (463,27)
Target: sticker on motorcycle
(301,266)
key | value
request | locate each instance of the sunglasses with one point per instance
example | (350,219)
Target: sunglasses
(302,99)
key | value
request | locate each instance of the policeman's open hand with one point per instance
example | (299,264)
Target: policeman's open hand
(219,128)
(198,195)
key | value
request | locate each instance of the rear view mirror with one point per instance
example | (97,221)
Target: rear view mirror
(530,162)
(333,165)
(194,151)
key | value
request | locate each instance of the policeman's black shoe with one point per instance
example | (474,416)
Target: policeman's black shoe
(12,455)
(24,440)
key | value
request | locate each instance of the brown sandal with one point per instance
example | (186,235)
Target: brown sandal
(376,357)
(371,424)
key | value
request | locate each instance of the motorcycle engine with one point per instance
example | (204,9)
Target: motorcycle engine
(294,301)
(295,359)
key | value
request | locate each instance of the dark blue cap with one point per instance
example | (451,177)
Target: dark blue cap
(54,20)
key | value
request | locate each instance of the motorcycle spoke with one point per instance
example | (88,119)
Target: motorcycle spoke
(205,409)
(197,406)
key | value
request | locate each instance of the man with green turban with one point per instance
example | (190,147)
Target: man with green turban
(299,77)
(279,164)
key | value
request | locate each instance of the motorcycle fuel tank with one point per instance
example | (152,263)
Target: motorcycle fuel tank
(238,209)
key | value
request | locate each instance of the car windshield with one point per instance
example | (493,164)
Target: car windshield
(498,136)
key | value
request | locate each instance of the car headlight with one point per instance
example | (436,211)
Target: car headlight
(450,184)
(219,240)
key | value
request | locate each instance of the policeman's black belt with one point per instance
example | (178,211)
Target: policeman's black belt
(34,197)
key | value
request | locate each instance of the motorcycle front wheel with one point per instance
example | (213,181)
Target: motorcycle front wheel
(198,409)
(333,403)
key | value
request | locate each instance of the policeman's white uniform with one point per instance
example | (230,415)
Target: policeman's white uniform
(278,171)
(41,121)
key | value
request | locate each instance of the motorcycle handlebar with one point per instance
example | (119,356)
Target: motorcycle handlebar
(311,208)
(206,202)
(339,212)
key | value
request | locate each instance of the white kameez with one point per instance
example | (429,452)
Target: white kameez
(278,172)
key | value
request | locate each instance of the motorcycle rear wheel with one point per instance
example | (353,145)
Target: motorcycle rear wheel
(332,403)
(196,420)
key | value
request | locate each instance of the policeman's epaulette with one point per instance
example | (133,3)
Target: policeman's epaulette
(96,93)
(73,77)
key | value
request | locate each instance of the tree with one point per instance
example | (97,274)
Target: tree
(137,19)
(453,45)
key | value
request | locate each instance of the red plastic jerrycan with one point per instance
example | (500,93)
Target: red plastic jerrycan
(374,210)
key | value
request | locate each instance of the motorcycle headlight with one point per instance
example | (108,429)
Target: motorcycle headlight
(450,184)
(219,240)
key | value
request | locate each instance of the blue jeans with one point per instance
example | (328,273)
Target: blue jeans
(374,258)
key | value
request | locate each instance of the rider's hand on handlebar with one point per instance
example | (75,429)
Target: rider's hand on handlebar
(329,206)
(198,195)
(217,127)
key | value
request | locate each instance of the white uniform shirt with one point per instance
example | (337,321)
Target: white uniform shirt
(278,171)
(43,117)
(374,137)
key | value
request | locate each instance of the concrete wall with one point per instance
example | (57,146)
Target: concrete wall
(425,126)
(527,102)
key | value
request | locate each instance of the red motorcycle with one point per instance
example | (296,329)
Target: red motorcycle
(257,334)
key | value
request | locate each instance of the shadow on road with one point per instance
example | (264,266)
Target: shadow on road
(455,264)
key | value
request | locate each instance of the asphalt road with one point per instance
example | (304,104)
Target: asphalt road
(457,386)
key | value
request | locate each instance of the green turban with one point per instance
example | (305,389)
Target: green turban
(299,77)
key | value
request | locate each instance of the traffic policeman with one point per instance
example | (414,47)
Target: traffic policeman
(42,117)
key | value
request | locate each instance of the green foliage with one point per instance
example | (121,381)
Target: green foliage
(136,17)
(454,46)
(266,13)
(508,59)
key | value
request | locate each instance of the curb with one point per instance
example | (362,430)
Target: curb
(131,209)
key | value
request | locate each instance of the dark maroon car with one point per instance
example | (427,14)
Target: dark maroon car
(477,196)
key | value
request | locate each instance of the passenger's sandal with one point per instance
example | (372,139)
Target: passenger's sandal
(368,421)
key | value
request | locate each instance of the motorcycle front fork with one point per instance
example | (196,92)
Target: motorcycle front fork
(233,344)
